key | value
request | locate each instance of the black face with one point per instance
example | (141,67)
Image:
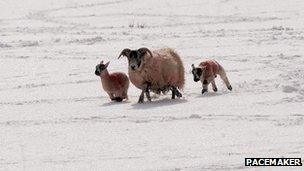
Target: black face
(135,58)
(197,72)
(99,69)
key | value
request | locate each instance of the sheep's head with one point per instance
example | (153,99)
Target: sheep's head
(197,72)
(135,57)
(101,67)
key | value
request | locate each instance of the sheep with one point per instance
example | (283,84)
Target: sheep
(115,84)
(206,72)
(160,71)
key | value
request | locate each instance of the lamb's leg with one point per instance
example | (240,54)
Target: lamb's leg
(125,95)
(223,75)
(214,85)
(122,94)
(111,96)
(205,86)
(118,99)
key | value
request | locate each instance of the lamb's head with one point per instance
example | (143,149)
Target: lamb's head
(197,72)
(135,57)
(100,68)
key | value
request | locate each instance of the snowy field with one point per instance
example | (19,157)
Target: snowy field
(54,115)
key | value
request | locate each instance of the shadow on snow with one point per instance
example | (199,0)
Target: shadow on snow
(158,103)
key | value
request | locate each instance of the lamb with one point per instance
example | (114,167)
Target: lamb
(206,72)
(115,84)
(160,71)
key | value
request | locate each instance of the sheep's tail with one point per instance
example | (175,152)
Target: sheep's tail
(181,69)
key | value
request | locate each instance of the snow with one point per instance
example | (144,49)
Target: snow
(55,116)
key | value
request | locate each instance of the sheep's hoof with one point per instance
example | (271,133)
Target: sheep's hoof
(175,92)
(204,90)
(113,99)
(118,99)
(173,96)
(229,88)
(215,89)
(178,94)
(141,100)
(148,96)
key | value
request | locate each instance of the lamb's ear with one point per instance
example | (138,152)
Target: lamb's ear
(144,50)
(106,65)
(125,52)
(193,67)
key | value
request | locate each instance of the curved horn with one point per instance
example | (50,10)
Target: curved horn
(124,52)
(143,50)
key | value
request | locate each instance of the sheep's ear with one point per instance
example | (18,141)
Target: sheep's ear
(106,65)
(144,50)
(125,52)
(101,62)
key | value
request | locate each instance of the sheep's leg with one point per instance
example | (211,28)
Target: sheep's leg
(147,91)
(223,76)
(178,94)
(148,95)
(141,97)
(175,92)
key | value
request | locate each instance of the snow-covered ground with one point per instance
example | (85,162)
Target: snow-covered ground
(54,115)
